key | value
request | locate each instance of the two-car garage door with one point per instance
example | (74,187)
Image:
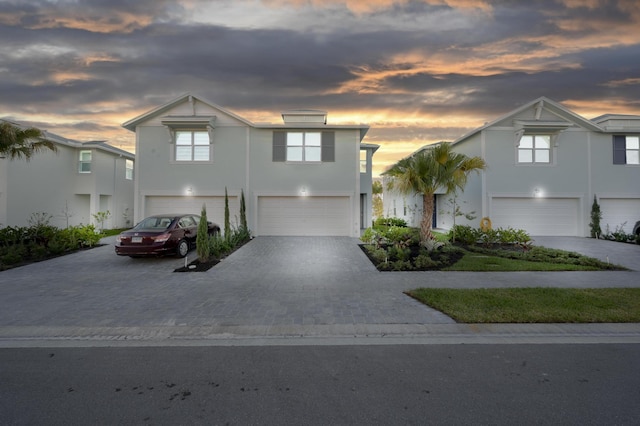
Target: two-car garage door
(193,205)
(537,216)
(282,215)
(305,216)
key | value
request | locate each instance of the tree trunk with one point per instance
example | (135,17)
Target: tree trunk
(427,217)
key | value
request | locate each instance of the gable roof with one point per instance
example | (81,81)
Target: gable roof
(543,103)
(61,140)
(131,124)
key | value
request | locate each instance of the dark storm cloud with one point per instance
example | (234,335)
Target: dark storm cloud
(83,60)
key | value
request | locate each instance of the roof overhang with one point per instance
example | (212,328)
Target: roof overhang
(187,122)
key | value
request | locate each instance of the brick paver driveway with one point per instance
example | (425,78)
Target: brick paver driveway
(270,283)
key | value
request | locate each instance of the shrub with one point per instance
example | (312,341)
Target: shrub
(202,236)
(489,237)
(14,256)
(379,255)
(368,236)
(464,234)
(596,217)
(386,222)
(402,265)
(401,237)
(424,261)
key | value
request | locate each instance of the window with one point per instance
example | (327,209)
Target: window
(84,165)
(128,169)
(193,146)
(626,150)
(305,147)
(534,149)
(363,161)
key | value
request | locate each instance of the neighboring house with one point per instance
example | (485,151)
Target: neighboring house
(71,185)
(302,177)
(545,164)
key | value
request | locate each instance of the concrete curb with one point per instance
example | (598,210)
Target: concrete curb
(351,334)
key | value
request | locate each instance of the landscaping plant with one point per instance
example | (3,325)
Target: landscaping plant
(227,224)
(596,216)
(202,237)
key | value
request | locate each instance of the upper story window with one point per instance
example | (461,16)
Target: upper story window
(303,147)
(363,161)
(128,169)
(626,150)
(534,149)
(192,146)
(84,163)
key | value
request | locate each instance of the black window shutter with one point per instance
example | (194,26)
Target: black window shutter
(279,146)
(619,150)
(328,147)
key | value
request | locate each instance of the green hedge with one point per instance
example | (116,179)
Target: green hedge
(28,244)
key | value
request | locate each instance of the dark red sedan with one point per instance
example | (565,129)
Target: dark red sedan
(161,235)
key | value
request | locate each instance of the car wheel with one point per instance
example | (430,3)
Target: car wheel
(182,249)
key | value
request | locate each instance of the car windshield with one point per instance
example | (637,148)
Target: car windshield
(156,222)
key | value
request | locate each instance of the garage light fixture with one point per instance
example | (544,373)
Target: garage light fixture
(303,191)
(189,191)
(537,193)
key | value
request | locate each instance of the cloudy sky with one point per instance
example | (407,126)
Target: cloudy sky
(416,71)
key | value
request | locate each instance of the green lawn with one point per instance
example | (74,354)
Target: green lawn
(534,305)
(487,263)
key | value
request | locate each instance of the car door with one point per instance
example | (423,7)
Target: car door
(190,228)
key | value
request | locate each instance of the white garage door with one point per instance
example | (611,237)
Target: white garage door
(312,216)
(617,211)
(537,216)
(193,205)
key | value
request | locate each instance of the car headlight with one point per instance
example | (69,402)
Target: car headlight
(119,239)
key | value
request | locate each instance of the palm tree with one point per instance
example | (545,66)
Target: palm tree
(427,171)
(18,143)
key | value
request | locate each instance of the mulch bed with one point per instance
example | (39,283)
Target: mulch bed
(197,266)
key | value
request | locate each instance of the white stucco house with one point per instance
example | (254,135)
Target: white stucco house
(545,165)
(299,177)
(71,185)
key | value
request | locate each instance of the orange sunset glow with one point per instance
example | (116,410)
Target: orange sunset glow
(417,72)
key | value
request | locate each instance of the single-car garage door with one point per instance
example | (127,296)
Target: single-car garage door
(537,216)
(619,213)
(312,216)
(193,205)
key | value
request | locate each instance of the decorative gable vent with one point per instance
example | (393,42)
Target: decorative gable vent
(304,116)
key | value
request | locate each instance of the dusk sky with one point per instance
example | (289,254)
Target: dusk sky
(416,71)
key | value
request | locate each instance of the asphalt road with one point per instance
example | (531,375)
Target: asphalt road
(322,385)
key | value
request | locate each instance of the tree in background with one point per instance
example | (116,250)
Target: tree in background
(427,171)
(378,207)
(18,143)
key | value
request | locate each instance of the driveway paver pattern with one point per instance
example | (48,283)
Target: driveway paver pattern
(272,285)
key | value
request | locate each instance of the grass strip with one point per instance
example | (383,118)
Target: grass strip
(534,305)
(487,263)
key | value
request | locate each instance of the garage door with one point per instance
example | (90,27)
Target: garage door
(313,216)
(617,211)
(537,216)
(193,205)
